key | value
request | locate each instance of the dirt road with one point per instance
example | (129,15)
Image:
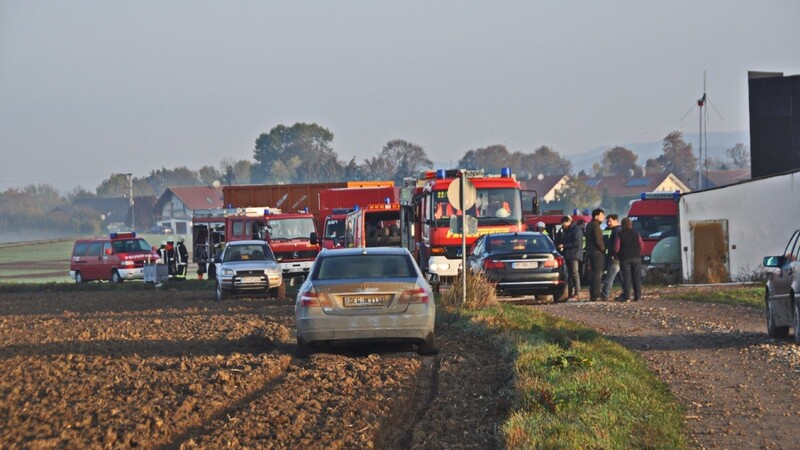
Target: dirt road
(170,369)
(740,388)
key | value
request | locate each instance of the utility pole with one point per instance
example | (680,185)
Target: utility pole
(130,197)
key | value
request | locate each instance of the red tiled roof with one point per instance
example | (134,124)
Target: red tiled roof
(195,197)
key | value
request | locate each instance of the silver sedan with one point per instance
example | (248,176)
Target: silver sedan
(368,294)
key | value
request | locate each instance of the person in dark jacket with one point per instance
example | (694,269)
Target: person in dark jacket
(595,252)
(572,248)
(612,260)
(628,245)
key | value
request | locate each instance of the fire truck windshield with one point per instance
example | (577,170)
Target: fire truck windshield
(492,206)
(334,228)
(655,227)
(297,228)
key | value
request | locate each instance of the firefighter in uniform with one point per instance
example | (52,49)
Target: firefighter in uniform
(172,267)
(182,256)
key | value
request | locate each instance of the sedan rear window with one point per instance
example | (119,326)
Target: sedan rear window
(364,266)
(520,244)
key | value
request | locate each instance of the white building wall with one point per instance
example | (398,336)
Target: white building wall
(761,215)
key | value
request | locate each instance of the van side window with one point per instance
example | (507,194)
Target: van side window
(80,249)
(95,249)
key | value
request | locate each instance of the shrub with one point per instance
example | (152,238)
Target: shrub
(480,293)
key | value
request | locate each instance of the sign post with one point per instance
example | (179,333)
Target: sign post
(461,193)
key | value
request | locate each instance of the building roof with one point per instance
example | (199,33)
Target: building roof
(546,187)
(193,197)
(620,186)
(717,178)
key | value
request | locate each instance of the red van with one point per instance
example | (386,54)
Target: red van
(117,258)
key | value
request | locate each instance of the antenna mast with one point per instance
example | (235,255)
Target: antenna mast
(701,103)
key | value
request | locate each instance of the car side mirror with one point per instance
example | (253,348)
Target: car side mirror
(774,261)
(313,238)
(107,251)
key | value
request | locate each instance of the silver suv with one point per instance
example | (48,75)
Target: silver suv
(248,268)
(783,285)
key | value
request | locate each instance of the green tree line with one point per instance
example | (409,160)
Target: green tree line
(304,153)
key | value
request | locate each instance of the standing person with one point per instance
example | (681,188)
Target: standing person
(612,260)
(595,252)
(172,267)
(628,245)
(182,258)
(542,228)
(572,249)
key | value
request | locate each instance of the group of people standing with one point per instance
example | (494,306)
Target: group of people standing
(176,257)
(581,243)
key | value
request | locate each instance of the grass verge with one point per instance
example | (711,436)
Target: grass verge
(574,389)
(751,296)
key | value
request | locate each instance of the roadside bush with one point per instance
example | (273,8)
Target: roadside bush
(480,293)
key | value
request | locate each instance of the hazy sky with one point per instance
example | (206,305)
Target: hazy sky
(90,88)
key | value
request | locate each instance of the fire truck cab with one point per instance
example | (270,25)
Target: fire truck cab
(292,236)
(376,225)
(497,209)
(655,217)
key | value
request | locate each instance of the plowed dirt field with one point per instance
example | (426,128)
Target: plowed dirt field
(174,369)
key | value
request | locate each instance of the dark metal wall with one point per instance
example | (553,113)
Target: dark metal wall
(774,124)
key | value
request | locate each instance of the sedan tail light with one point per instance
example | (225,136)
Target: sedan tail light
(309,299)
(489,264)
(414,296)
(558,261)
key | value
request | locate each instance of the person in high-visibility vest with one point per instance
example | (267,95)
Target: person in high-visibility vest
(542,228)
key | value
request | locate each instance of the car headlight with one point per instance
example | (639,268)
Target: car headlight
(228,272)
(272,271)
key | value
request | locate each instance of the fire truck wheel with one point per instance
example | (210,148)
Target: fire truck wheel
(79,277)
(115,277)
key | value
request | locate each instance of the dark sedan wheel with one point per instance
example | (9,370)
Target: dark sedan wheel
(796,322)
(773,330)
(561,295)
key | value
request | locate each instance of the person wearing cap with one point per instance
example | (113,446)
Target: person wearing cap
(542,228)
(182,258)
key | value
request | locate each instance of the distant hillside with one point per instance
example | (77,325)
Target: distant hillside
(718,143)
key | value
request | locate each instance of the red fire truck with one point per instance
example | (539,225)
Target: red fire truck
(292,236)
(437,231)
(336,203)
(376,225)
(655,217)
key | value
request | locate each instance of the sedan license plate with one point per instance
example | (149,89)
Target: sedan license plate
(251,279)
(525,265)
(363,301)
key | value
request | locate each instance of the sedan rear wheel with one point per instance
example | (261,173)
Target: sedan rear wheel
(429,347)
(560,296)
(773,330)
(304,349)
